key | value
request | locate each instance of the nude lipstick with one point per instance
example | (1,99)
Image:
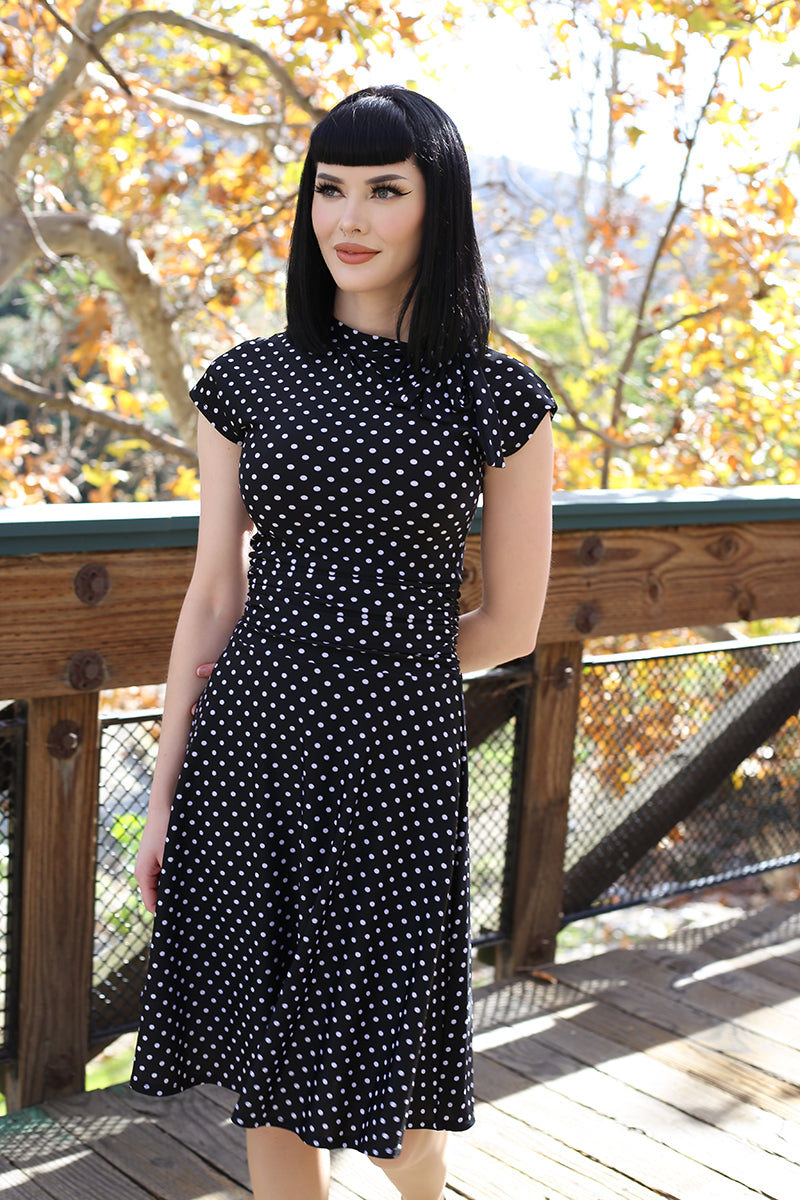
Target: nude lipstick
(352,252)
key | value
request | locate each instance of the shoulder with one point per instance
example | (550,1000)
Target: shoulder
(510,378)
(255,353)
(517,400)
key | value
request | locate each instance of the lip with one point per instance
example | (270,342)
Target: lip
(353,252)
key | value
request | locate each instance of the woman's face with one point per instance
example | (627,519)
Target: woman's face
(368,223)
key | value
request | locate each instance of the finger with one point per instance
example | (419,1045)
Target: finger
(205,669)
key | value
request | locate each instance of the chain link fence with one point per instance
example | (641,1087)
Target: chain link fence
(128,747)
(686,772)
(12,751)
(495,706)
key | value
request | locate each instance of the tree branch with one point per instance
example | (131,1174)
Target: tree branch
(29,129)
(37,396)
(208,114)
(538,358)
(86,42)
(168,17)
(637,334)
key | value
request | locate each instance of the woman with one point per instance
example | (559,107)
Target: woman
(312,946)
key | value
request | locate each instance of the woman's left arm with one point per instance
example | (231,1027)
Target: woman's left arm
(516,539)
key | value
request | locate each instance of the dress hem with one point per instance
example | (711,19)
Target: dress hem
(451,1126)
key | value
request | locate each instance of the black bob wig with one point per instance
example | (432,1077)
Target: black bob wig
(448,297)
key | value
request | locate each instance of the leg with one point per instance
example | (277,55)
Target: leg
(420,1170)
(282,1167)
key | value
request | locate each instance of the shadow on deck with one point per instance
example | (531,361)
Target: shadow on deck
(671,1070)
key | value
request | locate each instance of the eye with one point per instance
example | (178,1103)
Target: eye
(384,190)
(326,189)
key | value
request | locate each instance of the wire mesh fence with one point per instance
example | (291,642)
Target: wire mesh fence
(686,773)
(492,772)
(12,748)
(128,746)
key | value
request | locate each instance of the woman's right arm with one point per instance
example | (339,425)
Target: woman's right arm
(213,604)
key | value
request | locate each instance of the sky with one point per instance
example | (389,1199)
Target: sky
(493,79)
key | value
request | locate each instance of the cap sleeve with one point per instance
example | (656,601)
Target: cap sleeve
(218,398)
(521,400)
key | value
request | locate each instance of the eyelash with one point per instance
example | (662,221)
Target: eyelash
(330,189)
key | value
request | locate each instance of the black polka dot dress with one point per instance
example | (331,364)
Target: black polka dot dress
(311,947)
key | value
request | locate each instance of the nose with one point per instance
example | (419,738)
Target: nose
(352,220)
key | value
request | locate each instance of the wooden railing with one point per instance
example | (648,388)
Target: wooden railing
(89,596)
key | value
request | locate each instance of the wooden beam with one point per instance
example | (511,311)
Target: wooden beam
(617,581)
(107,619)
(642,580)
(79,624)
(57,902)
(547,769)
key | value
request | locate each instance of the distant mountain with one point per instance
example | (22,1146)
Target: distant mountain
(513,196)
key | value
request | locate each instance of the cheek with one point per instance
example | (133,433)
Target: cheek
(318,223)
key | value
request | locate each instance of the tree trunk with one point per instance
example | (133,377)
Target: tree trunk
(103,240)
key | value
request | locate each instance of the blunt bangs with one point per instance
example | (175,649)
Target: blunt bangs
(369,133)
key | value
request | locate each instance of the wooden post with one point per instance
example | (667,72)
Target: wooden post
(57,909)
(550,736)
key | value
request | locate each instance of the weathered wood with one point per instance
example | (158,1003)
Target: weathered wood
(678,784)
(41,1149)
(18,1184)
(679,1017)
(551,1162)
(57,901)
(579,1097)
(667,1084)
(130,627)
(745,1083)
(597,1134)
(141,1151)
(544,802)
(708,1147)
(609,582)
(639,580)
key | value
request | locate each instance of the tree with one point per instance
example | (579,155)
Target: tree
(147,183)
(675,349)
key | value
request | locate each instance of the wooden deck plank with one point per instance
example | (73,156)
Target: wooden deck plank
(550,1162)
(704,1147)
(680,1018)
(658,1081)
(193,1120)
(140,1150)
(739,1080)
(740,1003)
(16,1185)
(624,1149)
(58,1162)
(595,1080)
(751,974)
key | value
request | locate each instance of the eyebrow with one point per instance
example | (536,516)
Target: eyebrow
(385,178)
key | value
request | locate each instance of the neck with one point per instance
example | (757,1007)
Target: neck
(369,316)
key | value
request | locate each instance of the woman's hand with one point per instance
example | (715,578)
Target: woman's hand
(202,672)
(150,857)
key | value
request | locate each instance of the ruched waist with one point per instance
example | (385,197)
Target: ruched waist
(370,614)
